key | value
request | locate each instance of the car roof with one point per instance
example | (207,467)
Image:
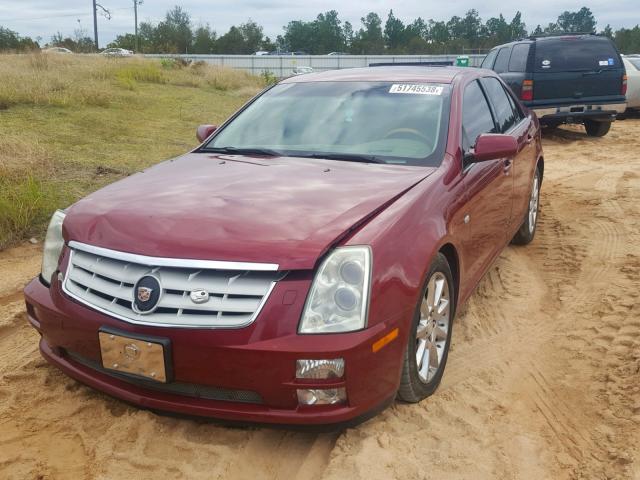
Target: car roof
(548,38)
(387,74)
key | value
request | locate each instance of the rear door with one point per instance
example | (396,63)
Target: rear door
(514,75)
(576,70)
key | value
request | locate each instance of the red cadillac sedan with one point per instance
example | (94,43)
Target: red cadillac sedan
(304,264)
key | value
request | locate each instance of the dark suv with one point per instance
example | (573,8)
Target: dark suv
(565,79)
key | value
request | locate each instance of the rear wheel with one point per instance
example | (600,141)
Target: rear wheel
(430,334)
(596,129)
(527,230)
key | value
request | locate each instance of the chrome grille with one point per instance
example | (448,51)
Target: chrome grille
(104,280)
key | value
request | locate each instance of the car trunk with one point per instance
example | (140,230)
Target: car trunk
(576,70)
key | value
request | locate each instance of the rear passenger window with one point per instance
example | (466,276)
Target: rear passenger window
(505,116)
(488,60)
(516,109)
(518,61)
(476,116)
(502,61)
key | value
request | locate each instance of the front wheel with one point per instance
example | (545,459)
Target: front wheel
(430,335)
(596,129)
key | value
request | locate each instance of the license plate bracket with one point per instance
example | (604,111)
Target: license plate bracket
(140,356)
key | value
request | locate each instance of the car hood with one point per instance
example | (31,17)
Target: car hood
(281,210)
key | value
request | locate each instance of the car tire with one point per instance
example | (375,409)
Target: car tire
(596,129)
(430,334)
(550,126)
(527,230)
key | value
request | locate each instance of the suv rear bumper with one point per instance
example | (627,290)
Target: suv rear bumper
(577,112)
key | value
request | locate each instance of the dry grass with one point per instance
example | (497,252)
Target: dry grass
(71,124)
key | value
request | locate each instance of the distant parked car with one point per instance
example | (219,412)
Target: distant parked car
(337,53)
(116,52)
(565,79)
(299,53)
(632,65)
(57,50)
(262,52)
(302,70)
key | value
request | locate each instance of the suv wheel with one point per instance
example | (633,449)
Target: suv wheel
(596,129)
(430,335)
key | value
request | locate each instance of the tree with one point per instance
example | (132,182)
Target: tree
(10,40)
(231,42)
(518,27)
(347,33)
(498,30)
(128,41)
(204,40)
(394,33)
(328,32)
(173,34)
(581,21)
(252,36)
(607,32)
(369,39)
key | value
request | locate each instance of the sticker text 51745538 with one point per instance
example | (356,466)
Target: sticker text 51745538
(416,89)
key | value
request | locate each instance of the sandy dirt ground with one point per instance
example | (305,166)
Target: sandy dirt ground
(542,382)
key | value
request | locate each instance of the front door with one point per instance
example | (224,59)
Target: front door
(489,187)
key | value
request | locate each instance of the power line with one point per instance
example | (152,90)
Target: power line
(79,14)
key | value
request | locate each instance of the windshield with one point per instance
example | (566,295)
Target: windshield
(635,62)
(377,121)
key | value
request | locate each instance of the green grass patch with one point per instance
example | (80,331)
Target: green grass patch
(73,125)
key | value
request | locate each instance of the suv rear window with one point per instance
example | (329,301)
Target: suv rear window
(566,54)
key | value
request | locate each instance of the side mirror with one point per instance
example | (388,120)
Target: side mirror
(491,146)
(204,131)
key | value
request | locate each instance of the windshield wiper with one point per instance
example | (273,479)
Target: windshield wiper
(347,157)
(243,151)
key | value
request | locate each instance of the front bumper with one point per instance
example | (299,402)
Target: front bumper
(577,112)
(253,368)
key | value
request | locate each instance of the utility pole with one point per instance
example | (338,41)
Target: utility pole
(105,12)
(95,24)
(135,14)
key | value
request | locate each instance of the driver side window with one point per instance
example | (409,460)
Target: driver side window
(476,116)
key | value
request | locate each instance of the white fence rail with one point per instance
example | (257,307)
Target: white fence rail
(283,65)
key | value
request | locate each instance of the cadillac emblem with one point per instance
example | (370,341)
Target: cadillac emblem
(147,292)
(144,293)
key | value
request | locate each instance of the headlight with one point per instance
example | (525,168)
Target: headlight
(53,244)
(339,295)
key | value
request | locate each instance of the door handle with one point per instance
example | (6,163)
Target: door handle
(506,166)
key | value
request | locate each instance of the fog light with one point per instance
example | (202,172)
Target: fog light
(322,396)
(319,369)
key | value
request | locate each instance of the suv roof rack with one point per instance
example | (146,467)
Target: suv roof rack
(560,34)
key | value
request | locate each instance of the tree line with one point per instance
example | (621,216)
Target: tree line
(176,33)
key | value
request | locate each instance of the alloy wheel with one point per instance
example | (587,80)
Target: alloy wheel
(533,203)
(433,327)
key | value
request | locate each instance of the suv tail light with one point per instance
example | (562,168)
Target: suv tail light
(527,90)
(624,85)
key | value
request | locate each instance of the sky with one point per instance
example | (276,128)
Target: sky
(43,18)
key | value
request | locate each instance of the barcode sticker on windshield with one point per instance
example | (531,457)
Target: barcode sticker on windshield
(415,89)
